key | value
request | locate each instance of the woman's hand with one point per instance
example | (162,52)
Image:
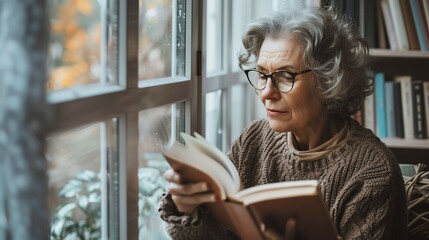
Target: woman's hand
(187,196)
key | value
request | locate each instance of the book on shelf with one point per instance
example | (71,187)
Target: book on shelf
(422,33)
(246,211)
(367,17)
(409,25)
(418,110)
(390,109)
(425,12)
(397,103)
(388,22)
(425,23)
(398,24)
(426,104)
(407,105)
(380,107)
(369,113)
(381,28)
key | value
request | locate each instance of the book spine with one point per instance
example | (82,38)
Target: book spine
(424,20)
(398,25)
(380,107)
(409,25)
(418,110)
(407,106)
(380,29)
(390,113)
(397,102)
(425,6)
(418,21)
(426,104)
(391,36)
(369,113)
(368,20)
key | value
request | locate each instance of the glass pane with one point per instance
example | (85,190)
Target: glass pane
(83,182)
(214,36)
(83,45)
(158,128)
(162,38)
(240,19)
(214,117)
(239,110)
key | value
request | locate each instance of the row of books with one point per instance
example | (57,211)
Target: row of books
(394,24)
(398,108)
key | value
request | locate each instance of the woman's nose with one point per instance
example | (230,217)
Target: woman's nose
(270,89)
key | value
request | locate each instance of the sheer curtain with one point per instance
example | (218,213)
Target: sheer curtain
(23,120)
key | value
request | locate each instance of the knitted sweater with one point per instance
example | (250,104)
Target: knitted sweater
(360,182)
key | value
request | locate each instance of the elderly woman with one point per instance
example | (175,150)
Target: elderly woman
(309,71)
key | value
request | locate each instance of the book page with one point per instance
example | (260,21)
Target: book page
(276,191)
(197,167)
(200,144)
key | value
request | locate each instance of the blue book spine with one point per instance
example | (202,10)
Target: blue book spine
(418,21)
(390,109)
(380,107)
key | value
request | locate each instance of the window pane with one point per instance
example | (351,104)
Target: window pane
(239,109)
(214,118)
(83,45)
(162,38)
(158,128)
(83,182)
(240,19)
(214,36)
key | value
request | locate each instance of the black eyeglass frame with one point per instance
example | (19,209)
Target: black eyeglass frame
(293,75)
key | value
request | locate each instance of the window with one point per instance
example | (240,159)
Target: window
(124,79)
(215,34)
(83,45)
(83,182)
(162,39)
(158,128)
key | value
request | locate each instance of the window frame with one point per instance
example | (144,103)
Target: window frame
(125,100)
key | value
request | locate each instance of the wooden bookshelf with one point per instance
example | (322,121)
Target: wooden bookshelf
(415,64)
(387,53)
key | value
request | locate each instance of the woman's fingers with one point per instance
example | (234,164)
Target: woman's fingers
(196,199)
(172,176)
(187,196)
(187,189)
(187,204)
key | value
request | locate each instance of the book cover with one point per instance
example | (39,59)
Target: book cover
(398,25)
(407,105)
(418,110)
(409,25)
(397,103)
(245,211)
(390,113)
(380,108)
(381,29)
(388,22)
(420,27)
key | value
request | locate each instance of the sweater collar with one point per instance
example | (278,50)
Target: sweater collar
(320,151)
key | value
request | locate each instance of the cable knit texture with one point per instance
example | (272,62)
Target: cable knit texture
(360,181)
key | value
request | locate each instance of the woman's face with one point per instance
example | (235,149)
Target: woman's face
(299,110)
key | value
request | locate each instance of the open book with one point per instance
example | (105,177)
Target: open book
(245,211)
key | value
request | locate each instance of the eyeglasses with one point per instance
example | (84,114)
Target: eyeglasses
(282,79)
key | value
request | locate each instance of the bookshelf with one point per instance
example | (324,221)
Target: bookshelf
(398,33)
(415,64)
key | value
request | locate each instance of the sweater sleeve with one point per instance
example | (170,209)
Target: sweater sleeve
(198,225)
(373,207)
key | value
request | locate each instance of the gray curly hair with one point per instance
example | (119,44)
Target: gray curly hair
(333,50)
